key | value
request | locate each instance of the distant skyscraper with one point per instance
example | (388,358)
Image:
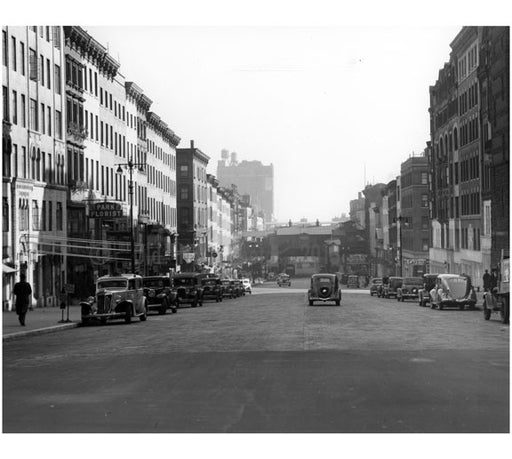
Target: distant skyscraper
(250,177)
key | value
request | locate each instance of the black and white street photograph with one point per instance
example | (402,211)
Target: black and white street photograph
(281,224)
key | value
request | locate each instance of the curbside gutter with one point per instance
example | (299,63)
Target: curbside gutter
(39,331)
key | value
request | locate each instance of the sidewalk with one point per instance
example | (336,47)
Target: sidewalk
(38,321)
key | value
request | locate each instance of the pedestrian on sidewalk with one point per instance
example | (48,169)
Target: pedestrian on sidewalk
(487,280)
(22,290)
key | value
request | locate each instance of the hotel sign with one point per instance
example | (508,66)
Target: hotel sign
(106,210)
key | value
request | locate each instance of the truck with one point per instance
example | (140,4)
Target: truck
(497,299)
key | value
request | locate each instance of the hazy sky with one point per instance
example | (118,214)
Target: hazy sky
(319,103)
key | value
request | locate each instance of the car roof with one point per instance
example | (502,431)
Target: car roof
(120,276)
(323,275)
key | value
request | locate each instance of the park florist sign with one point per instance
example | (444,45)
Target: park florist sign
(106,210)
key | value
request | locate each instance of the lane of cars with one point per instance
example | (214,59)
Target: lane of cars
(129,296)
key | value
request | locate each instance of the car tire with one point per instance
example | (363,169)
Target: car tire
(461,307)
(311,302)
(440,306)
(143,317)
(128,315)
(487,313)
(177,303)
(338,302)
(163,309)
(505,311)
(432,305)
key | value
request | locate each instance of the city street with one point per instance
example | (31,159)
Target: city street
(266,362)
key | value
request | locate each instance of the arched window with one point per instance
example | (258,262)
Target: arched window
(441,147)
(450,143)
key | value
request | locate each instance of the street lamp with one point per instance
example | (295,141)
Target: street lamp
(130,165)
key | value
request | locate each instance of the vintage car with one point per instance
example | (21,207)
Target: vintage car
(410,288)
(353,281)
(429,282)
(324,287)
(159,294)
(227,289)
(374,285)
(247,285)
(188,289)
(284,279)
(117,297)
(212,287)
(390,289)
(453,290)
(239,287)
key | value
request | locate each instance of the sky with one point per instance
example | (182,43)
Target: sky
(331,107)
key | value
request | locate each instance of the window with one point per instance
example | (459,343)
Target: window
(49,117)
(5,99)
(33,115)
(43,124)
(56,79)
(58,125)
(5,49)
(35,216)
(184,170)
(22,58)
(48,85)
(32,63)
(5,214)
(424,245)
(41,68)
(23,109)
(14,105)
(56,36)
(50,216)
(424,200)
(59,216)
(13,53)
(184,192)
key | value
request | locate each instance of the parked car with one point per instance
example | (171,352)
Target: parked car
(453,290)
(324,287)
(392,287)
(117,297)
(246,282)
(227,289)
(239,287)
(409,289)
(429,282)
(236,288)
(353,281)
(284,279)
(159,294)
(374,285)
(212,287)
(188,289)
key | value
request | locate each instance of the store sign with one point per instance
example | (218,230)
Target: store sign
(106,210)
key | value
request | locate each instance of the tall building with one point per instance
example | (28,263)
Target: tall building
(374,228)
(252,178)
(34,163)
(494,77)
(192,203)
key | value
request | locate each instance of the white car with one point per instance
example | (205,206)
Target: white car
(247,285)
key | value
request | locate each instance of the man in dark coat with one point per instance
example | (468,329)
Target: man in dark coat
(22,290)
(487,281)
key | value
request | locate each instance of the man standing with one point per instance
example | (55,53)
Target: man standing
(487,280)
(22,290)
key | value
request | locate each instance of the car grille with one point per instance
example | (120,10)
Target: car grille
(104,304)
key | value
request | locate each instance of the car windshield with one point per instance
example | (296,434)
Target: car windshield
(209,282)
(395,282)
(457,285)
(183,281)
(323,279)
(113,283)
(154,283)
(413,281)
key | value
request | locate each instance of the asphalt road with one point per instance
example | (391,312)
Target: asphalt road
(266,362)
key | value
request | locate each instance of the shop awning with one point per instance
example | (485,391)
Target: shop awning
(7,269)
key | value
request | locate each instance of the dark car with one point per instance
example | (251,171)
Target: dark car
(429,282)
(212,287)
(324,287)
(392,287)
(374,285)
(238,287)
(188,289)
(453,290)
(410,288)
(159,294)
(227,289)
(284,279)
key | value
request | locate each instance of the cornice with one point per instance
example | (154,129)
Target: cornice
(142,101)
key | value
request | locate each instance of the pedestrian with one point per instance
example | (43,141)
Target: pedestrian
(487,280)
(22,290)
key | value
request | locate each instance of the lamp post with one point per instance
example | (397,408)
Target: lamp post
(130,165)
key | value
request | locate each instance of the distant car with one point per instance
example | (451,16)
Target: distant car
(392,287)
(284,279)
(247,285)
(324,287)
(429,282)
(117,297)
(212,287)
(409,289)
(374,285)
(227,288)
(159,294)
(353,281)
(239,287)
(453,290)
(188,289)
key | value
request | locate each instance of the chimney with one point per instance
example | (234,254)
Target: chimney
(192,144)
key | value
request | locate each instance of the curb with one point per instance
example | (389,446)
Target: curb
(38,331)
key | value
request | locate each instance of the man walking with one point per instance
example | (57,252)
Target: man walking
(487,280)
(22,290)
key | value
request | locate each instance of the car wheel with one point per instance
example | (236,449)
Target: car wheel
(440,306)
(128,315)
(487,313)
(163,309)
(461,307)
(144,315)
(103,320)
(505,311)
(177,303)
(337,302)
(311,302)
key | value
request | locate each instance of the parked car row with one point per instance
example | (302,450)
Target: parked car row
(438,290)
(127,296)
